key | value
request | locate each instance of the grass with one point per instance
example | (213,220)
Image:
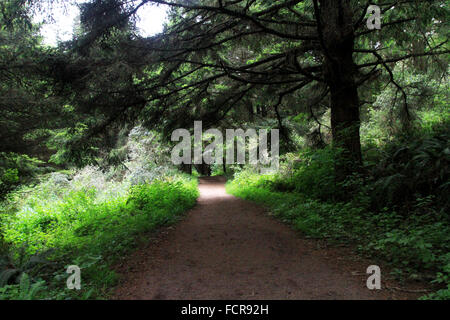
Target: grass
(84,226)
(416,245)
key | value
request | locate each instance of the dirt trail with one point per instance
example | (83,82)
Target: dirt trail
(228,248)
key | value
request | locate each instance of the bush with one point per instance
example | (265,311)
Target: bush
(15,169)
(310,172)
(411,168)
(416,242)
(88,223)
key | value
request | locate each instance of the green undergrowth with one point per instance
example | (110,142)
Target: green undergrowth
(397,210)
(418,246)
(49,227)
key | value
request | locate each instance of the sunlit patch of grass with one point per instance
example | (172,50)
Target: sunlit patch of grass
(89,227)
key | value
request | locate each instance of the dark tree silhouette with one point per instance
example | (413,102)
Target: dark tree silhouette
(215,56)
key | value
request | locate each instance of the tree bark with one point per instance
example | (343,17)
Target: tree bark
(224,165)
(338,41)
(186,168)
(204,169)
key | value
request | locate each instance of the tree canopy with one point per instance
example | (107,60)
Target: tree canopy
(358,90)
(225,61)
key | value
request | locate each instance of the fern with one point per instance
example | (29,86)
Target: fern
(29,290)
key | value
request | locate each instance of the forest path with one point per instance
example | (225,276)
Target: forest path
(229,248)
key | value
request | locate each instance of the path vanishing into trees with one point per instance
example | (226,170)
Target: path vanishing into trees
(229,248)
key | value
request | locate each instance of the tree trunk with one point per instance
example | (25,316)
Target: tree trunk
(186,168)
(338,41)
(224,165)
(204,169)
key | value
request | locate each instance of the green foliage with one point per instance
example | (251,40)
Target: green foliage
(14,265)
(397,211)
(314,173)
(25,290)
(15,169)
(81,99)
(9,179)
(417,245)
(308,171)
(10,176)
(87,227)
(20,275)
(411,168)
(28,106)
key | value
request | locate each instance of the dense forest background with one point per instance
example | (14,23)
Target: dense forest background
(85,130)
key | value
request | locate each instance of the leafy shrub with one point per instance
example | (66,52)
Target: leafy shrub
(20,275)
(89,221)
(413,169)
(310,172)
(24,290)
(8,180)
(15,169)
(314,174)
(417,244)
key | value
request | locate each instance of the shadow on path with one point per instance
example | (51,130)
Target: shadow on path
(228,248)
